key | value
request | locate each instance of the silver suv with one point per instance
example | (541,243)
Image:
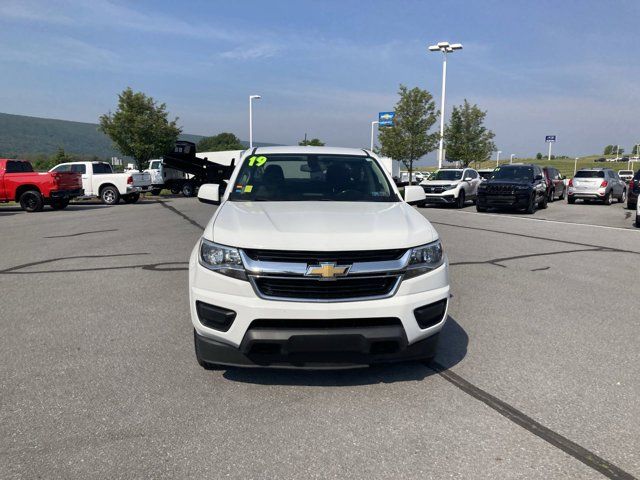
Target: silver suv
(601,184)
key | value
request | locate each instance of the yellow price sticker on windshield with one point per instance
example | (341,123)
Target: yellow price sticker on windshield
(257,161)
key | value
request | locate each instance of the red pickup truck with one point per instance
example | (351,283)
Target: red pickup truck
(19,183)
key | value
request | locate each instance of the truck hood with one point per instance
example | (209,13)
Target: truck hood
(319,226)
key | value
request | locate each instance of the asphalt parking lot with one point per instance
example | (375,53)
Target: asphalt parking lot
(537,375)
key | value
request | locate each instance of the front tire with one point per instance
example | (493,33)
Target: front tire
(480,209)
(60,204)
(561,197)
(552,196)
(460,200)
(544,202)
(533,205)
(110,195)
(571,200)
(156,191)
(607,199)
(31,201)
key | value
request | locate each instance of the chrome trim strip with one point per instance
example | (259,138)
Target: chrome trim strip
(258,267)
(391,293)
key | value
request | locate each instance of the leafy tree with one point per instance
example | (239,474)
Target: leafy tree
(140,128)
(60,156)
(314,142)
(634,150)
(409,138)
(538,156)
(218,143)
(466,137)
(608,150)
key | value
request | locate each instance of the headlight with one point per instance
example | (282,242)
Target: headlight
(425,259)
(522,187)
(222,259)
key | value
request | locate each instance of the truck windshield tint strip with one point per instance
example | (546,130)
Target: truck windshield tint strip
(284,177)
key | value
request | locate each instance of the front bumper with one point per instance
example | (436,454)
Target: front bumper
(66,194)
(518,200)
(440,199)
(349,345)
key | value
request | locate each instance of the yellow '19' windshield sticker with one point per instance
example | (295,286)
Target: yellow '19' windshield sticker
(248,189)
(257,161)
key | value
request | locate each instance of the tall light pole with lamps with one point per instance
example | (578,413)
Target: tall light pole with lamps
(373,124)
(251,99)
(445,48)
(513,155)
(498,157)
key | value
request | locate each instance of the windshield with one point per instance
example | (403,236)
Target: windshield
(447,175)
(283,177)
(590,174)
(513,173)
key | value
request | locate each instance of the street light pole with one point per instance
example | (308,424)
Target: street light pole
(575,167)
(373,124)
(445,48)
(549,157)
(498,157)
(513,155)
(251,99)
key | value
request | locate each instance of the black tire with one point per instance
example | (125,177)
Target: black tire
(460,200)
(552,196)
(31,201)
(201,362)
(544,202)
(480,209)
(607,200)
(60,204)
(637,221)
(631,206)
(109,195)
(188,190)
(561,197)
(623,198)
(533,204)
(131,198)
(156,191)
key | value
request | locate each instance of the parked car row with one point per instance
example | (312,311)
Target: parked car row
(529,187)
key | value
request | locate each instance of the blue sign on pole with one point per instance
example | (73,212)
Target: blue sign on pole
(385,119)
(550,138)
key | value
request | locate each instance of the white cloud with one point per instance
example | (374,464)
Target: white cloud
(251,53)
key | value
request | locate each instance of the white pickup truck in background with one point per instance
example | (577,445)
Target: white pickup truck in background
(99,180)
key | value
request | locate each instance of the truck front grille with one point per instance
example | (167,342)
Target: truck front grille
(311,289)
(346,257)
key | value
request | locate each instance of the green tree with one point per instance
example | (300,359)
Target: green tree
(140,128)
(608,150)
(409,138)
(538,156)
(634,150)
(314,142)
(60,156)
(218,143)
(466,138)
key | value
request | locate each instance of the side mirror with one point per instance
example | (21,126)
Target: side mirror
(468,179)
(209,193)
(414,194)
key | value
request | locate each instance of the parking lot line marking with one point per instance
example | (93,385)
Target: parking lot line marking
(553,221)
(178,212)
(578,452)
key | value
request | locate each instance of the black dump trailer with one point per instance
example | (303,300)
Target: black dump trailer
(199,170)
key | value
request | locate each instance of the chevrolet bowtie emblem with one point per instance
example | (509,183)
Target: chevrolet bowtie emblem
(327,270)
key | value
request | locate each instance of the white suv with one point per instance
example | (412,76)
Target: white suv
(314,260)
(452,186)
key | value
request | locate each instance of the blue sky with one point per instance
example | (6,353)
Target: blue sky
(569,68)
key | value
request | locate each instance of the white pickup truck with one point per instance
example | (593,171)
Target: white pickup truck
(99,180)
(314,259)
